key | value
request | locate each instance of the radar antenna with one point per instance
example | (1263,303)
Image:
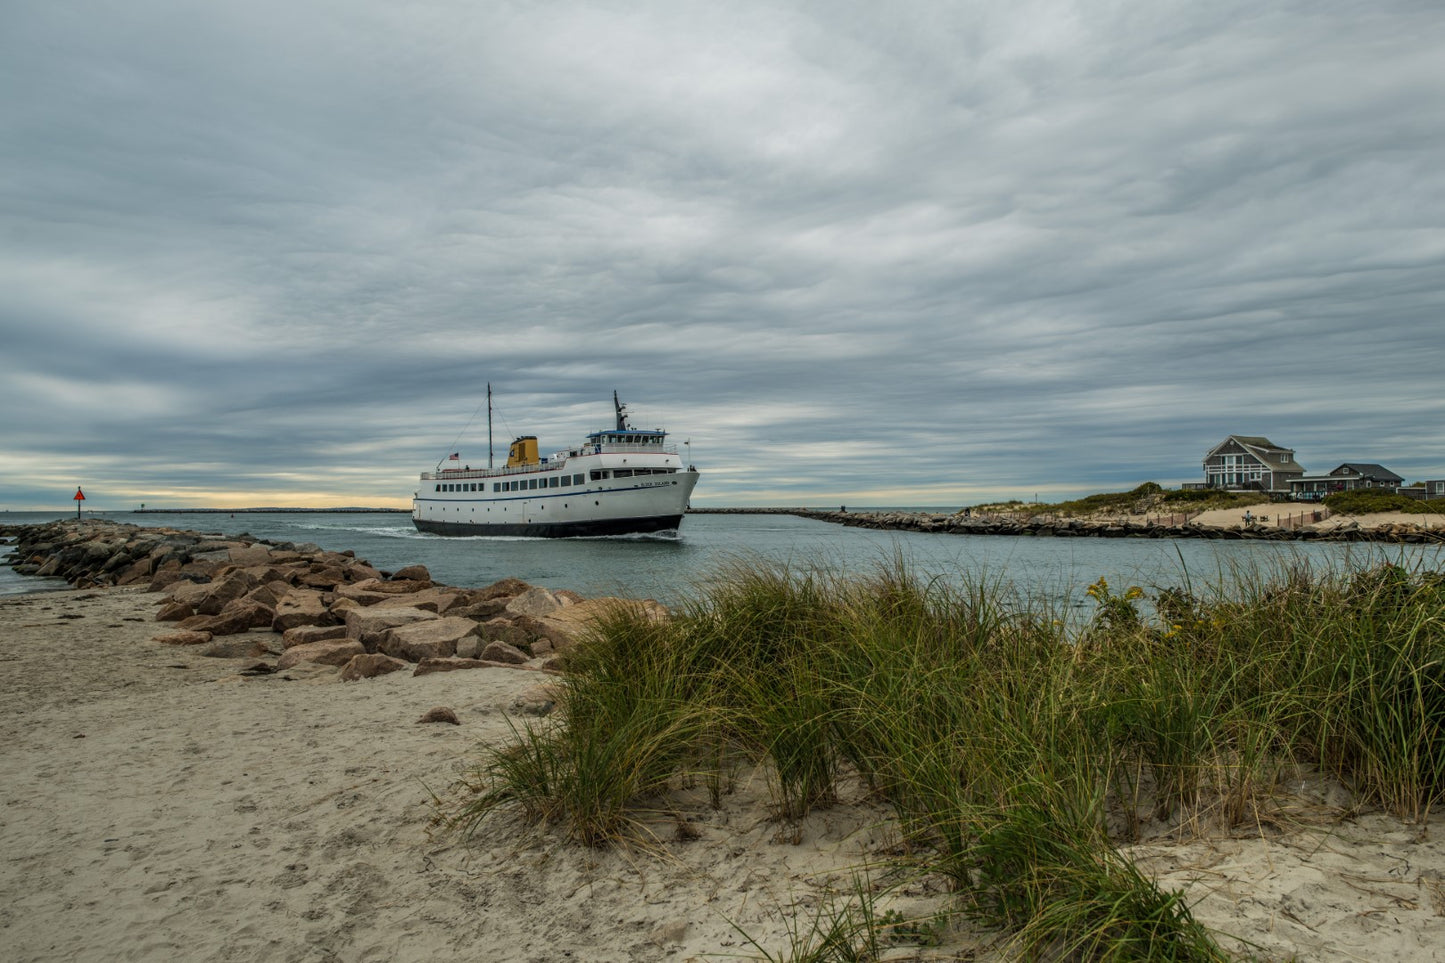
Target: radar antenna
(621,412)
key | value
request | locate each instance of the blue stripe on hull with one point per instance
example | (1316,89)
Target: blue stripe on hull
(601,526)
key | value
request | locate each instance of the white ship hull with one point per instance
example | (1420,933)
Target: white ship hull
(622,481)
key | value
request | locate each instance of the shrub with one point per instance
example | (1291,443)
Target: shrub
(1363,501)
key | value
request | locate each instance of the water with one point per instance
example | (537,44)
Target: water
(671,569)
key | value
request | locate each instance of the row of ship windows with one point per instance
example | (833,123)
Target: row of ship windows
(555,481)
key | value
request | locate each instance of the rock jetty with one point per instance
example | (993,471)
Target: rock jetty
(288,604)
(1143,527)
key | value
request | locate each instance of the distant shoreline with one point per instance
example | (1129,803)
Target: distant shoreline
(1311,524)
(260,511)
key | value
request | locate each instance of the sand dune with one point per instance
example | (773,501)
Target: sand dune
(159,805)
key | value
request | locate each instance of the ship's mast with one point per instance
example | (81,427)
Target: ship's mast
(621,412)
(489,425)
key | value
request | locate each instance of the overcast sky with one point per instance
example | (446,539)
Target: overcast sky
(271,253)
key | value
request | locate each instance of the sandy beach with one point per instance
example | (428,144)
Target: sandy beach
(159,804)
(1314,517)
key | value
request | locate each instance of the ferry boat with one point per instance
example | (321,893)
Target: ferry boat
(620,481)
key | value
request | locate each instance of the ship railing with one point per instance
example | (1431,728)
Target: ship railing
(608,448)
(557,463)
(464,474)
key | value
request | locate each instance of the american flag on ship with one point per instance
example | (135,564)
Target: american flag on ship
(455,456)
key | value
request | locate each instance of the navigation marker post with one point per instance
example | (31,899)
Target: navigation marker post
(79,497)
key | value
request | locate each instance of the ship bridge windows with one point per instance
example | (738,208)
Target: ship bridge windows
(630,472)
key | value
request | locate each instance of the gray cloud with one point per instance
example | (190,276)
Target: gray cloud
(265,253)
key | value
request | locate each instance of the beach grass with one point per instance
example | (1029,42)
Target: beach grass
(1019,754)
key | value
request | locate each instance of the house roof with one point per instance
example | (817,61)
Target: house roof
(1259,446)
(1370,470)
(1257,441)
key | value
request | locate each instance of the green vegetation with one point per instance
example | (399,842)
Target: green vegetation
(1016,756)
(1363,501)
(1147,498)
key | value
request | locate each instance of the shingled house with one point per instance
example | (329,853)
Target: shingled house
(1250,463)
(1348,477)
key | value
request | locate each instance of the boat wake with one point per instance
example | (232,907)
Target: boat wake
(377,530)
(670,535)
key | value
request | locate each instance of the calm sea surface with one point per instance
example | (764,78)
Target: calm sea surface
(672,569)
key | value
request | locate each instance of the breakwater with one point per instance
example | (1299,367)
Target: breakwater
(1147,526)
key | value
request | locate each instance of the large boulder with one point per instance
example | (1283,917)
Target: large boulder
(187,591)
(301,607)
(430,666)
(536,602)
(324,577)
(369,665)
(369,625)
(432,599)
(360,596)
(356,571)
(266,593)
(238,616)
(413,573)
(166,576)
(272,576)
(482,609)
(139,571)
(506,588)
(245,555)
(304,634)
(428,639)
(173,611)
(440,599)
(223,592)
(503,630)
(503,652)
(386,586)
(331,652)
(567,625)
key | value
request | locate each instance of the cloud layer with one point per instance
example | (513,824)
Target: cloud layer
(256,254)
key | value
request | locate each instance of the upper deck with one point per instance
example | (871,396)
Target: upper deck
(598,443)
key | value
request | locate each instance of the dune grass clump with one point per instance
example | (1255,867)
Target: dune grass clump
(630,723)
(1067,894)
(1017,755)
